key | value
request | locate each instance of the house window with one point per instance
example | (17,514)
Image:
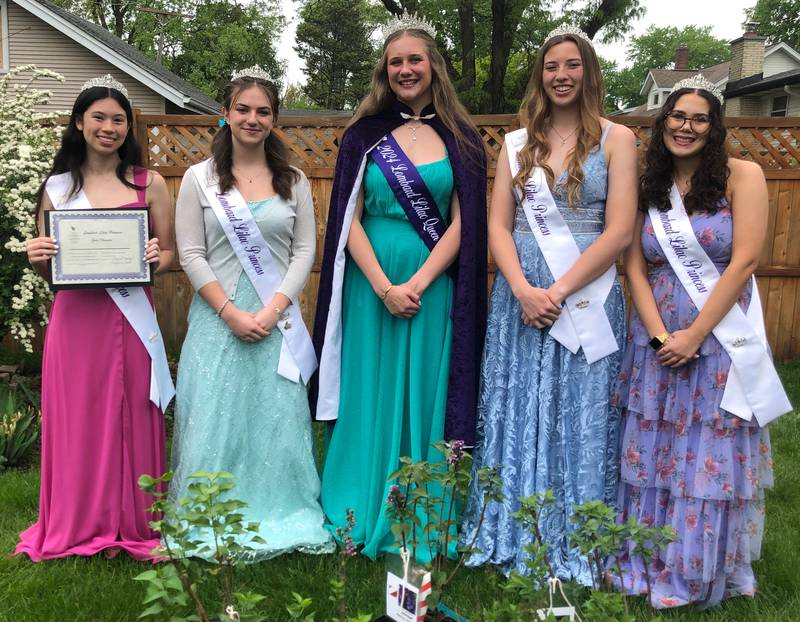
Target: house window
(779,106)
(655,98)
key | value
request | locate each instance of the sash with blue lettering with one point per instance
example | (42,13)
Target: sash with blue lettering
(410,190)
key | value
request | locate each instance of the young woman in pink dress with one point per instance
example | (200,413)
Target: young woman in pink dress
(100,430)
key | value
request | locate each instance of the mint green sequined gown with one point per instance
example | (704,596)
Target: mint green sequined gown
(235,413)
(394,371)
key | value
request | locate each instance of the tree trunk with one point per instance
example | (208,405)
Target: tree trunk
(505,20)
(466,19)
(605,9)
(119,11)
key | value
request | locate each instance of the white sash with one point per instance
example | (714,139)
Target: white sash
(131,301)
(298,359)
(753,386)
(584,323)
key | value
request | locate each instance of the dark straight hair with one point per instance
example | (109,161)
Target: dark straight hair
(284,174)
(72,153)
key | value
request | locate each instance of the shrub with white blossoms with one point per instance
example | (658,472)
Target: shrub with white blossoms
(28,140)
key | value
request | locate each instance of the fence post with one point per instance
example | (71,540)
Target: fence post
(139,129)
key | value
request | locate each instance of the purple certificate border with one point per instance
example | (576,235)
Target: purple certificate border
(53,221)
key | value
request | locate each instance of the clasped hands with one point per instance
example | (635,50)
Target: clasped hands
(250,327)
(679,348)
(404,300)
(540,307)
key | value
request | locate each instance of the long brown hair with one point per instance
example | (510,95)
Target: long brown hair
(445,100)
(277,154)
(536,109)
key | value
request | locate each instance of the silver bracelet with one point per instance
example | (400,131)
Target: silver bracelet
(222,307)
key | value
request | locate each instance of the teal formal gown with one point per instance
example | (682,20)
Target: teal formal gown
(235,413)
(394,371)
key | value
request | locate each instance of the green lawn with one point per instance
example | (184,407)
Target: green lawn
(78,589)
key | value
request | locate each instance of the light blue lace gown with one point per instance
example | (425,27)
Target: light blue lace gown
(544,413)
(235,413)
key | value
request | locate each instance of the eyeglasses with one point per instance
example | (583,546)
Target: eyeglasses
(698,123)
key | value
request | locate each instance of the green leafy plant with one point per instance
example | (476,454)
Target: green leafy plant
(173,588)
(347,550)
(421,506)
(298,606)
(19,429)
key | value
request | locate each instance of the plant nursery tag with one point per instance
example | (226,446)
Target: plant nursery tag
(404,601)
(560,613)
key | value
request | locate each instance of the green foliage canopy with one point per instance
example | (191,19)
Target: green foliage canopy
(333,38)
(203,41)
(655,49)
(778,20)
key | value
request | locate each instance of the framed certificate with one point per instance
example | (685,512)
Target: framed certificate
(99,247)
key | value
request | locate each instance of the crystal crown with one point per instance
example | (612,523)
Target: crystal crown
(566,29)
(107,82)
(407,22)
(252,72)
(699,82)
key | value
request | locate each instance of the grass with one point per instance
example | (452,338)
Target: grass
(85,589)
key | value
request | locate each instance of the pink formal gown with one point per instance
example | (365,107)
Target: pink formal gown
(100,431)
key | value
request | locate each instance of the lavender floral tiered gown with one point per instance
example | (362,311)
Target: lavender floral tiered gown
(685,461)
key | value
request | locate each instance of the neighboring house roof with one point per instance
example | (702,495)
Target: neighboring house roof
(758,83)
(123,56)
(784,47)
(667,78)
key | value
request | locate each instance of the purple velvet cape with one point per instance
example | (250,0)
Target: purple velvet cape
(469,268)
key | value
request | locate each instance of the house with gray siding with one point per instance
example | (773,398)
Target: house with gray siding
(41,33)
(758,81)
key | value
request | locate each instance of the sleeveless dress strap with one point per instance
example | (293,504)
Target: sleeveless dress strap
(604,135)
(140,179)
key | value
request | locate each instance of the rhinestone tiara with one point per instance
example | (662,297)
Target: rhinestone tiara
(407,22)
(107,82)
(252,72)
(699,82)
(566,29)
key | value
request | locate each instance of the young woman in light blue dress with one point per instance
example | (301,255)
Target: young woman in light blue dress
(544,412)
(234,411)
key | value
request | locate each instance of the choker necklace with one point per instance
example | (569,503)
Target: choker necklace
(564,138)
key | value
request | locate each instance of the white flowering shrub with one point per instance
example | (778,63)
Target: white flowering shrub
(28,140)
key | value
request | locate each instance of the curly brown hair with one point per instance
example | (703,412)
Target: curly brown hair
(284,175)
(708,184)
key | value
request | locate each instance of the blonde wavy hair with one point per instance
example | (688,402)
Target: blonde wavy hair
(535,114)
(445,100)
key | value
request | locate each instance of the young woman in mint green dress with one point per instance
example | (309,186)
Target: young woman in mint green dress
(396,310)
(235,410)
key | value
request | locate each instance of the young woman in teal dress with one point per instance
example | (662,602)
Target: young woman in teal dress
(238,409)
(544,411)
(395,306)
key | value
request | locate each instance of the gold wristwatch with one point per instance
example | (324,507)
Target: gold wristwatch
(658,341)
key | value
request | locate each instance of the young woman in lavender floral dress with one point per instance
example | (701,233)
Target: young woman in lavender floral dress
(687,461)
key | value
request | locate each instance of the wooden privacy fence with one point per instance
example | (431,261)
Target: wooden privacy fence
(172,143)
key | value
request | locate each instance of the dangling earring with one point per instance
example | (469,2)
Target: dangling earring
(222,123)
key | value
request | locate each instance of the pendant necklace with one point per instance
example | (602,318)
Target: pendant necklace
(249,179)
(687,183)
(564,138)
(413,129)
